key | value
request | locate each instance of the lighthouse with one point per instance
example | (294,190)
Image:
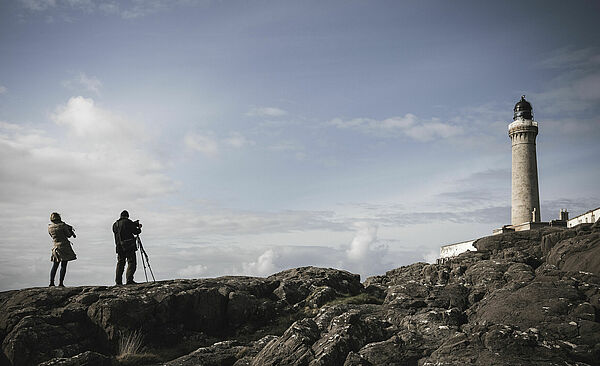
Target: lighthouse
(525,196)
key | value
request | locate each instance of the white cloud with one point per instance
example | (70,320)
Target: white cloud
(93,158)
(365,237)
(366,253)
(193,271)
(84,4)
(266,112)
(38,5)
(9,126)
(125,9)
(85,82)
(3,89)
(408,125)
(263,266)
(86,120)
(109,8)
(205,144)
(142,8)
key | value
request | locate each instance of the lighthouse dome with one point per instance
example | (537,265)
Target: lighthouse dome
(523,109)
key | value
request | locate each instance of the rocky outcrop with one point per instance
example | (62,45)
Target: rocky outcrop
(525,298)
(579,251)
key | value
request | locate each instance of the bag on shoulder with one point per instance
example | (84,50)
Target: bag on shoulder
(128,245)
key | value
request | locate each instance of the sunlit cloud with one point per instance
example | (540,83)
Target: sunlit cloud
(193,271)
(98,152)
(263,266)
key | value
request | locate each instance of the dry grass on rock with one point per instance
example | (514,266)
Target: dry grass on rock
(131,350)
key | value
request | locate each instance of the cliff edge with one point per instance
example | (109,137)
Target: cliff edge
(524,298)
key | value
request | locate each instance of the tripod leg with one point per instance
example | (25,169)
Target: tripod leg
(152,273)
(150,268)
(145,274)
(142,255)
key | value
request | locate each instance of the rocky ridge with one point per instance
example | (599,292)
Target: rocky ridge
(524,298)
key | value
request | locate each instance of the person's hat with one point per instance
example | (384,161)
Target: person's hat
(55,217)
(125,214)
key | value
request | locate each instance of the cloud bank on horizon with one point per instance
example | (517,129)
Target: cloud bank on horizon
(251,139)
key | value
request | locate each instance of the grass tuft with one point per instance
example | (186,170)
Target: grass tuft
(359,299)
(131,350)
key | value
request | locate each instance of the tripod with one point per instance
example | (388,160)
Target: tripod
(147,261)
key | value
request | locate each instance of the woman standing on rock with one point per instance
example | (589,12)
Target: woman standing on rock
(62,252)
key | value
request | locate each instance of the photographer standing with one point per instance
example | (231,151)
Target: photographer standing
(62,251)
(125,231)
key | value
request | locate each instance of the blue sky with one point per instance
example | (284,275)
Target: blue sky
(255,136)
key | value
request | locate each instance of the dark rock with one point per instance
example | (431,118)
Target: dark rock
(390,352)
(577,253)
(292,348)
(87,358)
(550,240)
(41,324)
(347,332)
(298,283)
(526,241)
(219,354)
(248,353)
(321,296)
(355,359)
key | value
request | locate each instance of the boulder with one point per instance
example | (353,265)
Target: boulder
(579,252)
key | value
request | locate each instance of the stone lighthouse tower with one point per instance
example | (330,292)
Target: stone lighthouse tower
(525,198)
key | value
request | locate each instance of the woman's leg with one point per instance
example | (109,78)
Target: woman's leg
(53,272)
(63,271)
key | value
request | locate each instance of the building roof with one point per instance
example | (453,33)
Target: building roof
(585,213)
(460,242)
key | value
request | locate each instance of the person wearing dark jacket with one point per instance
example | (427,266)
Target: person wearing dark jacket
(125,242)
(62,251)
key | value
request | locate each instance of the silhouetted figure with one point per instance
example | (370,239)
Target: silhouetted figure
(62,251)
(125,231)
